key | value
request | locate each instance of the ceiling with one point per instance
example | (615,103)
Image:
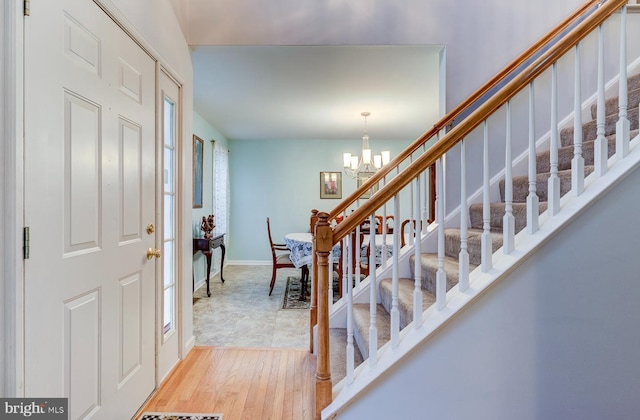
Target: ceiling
(317,92)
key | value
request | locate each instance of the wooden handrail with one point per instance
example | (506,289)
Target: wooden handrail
(450,117)
(450,139)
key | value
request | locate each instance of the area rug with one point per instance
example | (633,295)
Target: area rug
(180,416)
(294,288)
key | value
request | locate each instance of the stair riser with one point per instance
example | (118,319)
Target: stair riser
(589,128)
(611,104)
(521,185)
(566,154)
(497,215)
(452,245)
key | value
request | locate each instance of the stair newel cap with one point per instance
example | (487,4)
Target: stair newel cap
(324,233)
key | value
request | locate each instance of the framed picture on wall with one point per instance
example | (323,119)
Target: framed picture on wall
(330,184)
(198,161)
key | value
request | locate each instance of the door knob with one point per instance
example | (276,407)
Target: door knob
(150,228)
(153,253)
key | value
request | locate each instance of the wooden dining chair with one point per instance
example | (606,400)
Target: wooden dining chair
(403,234)
(280,257)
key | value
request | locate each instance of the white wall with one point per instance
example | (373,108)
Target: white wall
(280,179)
(557,339)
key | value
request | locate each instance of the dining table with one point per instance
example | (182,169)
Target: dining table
(300,245)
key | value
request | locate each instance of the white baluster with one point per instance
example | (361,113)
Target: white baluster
(577,163)
(463,257)
(441,276)
(427,197)
(395,313)
(373,299)
(348,287)
(345,265)
(417,284)
(508,221)
(533,205)
(486,245)
(622,126)
(357,246)
(553,189)
(600,146)
(384,256)
(425,202)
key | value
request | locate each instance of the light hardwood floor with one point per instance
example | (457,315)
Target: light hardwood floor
(258,365)
(240,383)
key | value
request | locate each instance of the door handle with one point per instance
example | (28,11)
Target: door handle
(153,253)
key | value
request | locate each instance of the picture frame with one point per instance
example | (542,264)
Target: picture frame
(368,193)
(198,162)
(331,185)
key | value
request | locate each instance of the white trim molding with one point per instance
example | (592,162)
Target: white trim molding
(11,275)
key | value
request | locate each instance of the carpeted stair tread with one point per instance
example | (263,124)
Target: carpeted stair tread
(496,212)
(611,104)
(405,298)
(338,357)
(521,185)
(566,154)
(474,243)
(361,322)
(633,82)
(589,128)
(429,264)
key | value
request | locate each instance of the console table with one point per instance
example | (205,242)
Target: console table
(206,246)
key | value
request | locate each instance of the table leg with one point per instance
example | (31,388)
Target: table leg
(222,261)
(208,255)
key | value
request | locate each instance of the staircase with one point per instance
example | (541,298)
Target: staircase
(463,248)
(429,261)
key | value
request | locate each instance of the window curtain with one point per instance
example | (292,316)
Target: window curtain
(221,189)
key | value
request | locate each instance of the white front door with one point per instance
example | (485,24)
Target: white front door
(89,197)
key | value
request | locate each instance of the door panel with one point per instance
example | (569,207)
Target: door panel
(89,193)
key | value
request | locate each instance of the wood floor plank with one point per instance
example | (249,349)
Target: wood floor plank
(242,383)
(258,391)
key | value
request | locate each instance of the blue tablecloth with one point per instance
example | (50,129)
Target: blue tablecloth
(301,247)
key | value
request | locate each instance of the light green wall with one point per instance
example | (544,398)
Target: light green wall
(206,132)
(280,179)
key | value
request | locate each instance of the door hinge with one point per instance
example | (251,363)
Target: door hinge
(27,7)
(25,242)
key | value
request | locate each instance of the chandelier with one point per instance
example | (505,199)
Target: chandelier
(362,167)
